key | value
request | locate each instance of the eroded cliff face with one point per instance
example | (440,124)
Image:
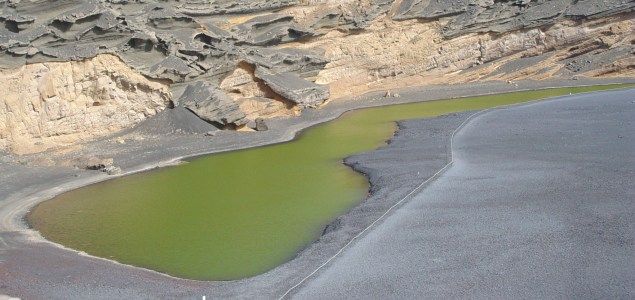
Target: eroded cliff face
(60,103)
(393,54)
(113,63)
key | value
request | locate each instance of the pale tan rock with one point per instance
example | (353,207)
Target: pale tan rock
(53,104)
(393,54)
(59,103)
(254,97)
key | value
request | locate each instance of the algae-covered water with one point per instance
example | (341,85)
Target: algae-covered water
(237,214)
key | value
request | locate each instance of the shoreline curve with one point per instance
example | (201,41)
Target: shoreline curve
(14,219)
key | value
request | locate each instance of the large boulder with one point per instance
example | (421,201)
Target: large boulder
(211,104)
(293,87)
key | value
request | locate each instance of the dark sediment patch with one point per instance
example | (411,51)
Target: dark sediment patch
(174,120)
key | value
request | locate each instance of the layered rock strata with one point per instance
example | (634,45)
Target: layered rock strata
(211,105)
(264,59)
(60,103)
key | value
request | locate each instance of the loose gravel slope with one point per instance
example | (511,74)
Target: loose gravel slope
(538,204)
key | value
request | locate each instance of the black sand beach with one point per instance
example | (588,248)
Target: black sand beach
(34,268)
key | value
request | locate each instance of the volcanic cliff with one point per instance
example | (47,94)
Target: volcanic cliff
(74,70)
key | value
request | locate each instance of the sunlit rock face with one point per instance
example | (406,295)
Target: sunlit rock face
(59,103)
(267,59)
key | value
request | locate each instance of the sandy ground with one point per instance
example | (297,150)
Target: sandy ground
(538,203)
(31,267)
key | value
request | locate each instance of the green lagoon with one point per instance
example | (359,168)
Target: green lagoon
(237,214)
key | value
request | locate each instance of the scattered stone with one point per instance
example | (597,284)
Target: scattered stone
(258,124)
(210,133)
(261,125)
(95,167)
(112,170)
(92,163)
(251,124)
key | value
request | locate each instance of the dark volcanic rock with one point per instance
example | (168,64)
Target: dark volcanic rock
(596,8)
(179,41)
(95,163)
(173,40)
(258,124)
(350,19)
(303,62)
(216,7)
(271,29)
(211,104)
(468,16)
(592,60)
(293,87)
(261,125)
(190,41)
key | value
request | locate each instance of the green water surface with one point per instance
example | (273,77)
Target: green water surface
(237,214)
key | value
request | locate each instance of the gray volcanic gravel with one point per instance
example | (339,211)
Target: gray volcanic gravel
(537,204)
(75,276)
(33,268)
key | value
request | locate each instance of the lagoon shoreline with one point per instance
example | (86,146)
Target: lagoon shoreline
(537,202)
(25,254)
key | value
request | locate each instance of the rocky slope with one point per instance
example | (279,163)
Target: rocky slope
(79,69)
